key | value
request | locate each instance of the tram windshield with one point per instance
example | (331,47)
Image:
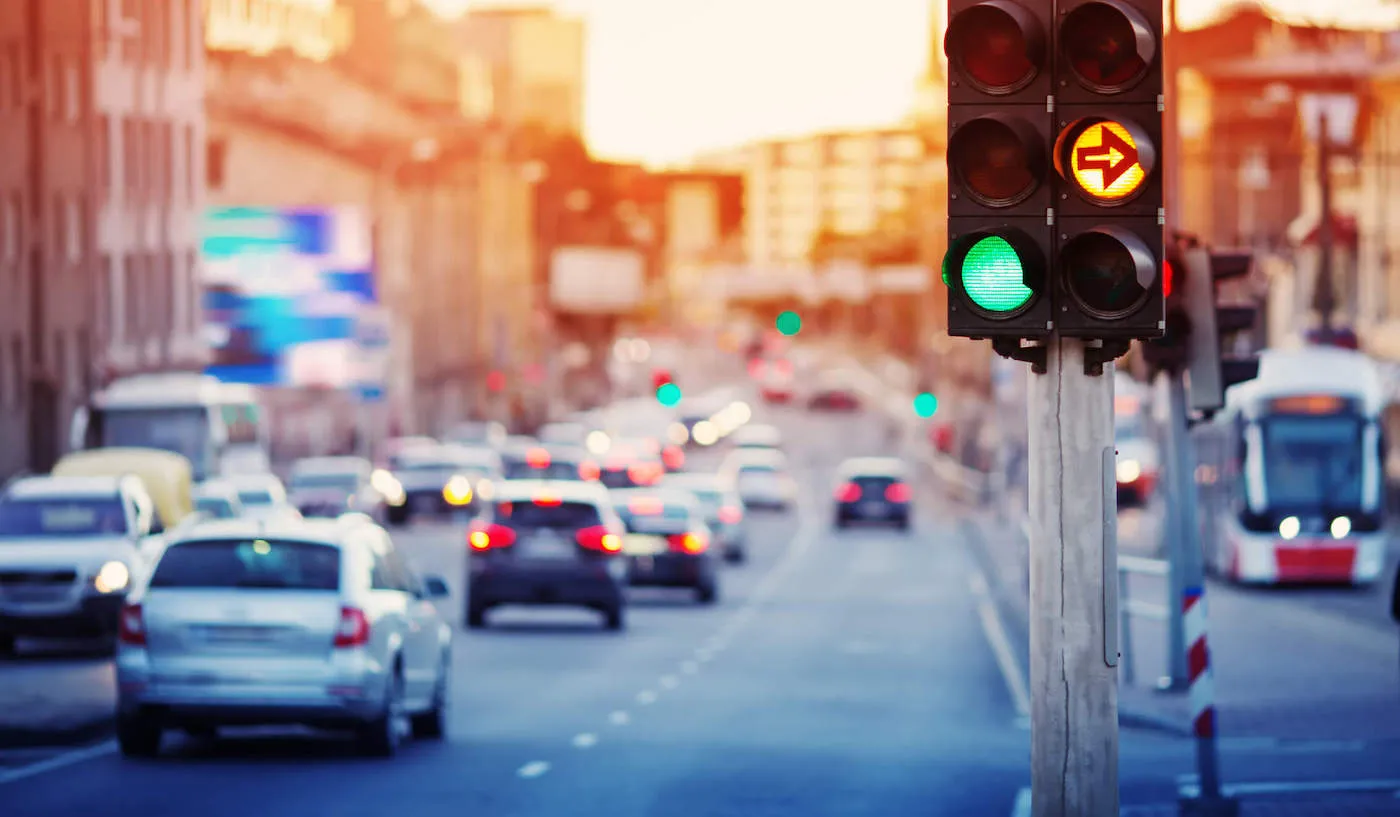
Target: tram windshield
(1313,462)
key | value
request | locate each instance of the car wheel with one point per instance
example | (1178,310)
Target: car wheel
(841,523)
(707,593)
(381,737)
(614,619)
(735,556)
(432,724)
(476,617)
(903,524)
(7,644)
(138,735)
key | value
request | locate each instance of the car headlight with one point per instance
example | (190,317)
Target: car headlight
(458,491)
(1129,470)
(113,577)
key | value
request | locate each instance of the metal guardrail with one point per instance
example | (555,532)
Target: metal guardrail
(1129,608)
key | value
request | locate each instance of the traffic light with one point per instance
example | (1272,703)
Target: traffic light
(1171,352)
(660,377)
(1211,369)
(1000,234)
(1108,116)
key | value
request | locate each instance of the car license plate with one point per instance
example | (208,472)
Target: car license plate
(872,508)
(238,635)
(425,504)
(635,544)
(547,547)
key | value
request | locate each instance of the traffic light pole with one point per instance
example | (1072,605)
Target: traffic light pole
(1177,528)
(1074,588)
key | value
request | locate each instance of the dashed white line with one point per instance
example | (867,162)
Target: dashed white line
(619,718)
(670,681)
(1193,789)
(585,740)
(1001,646)
(646,697)
(702,655)
(533,769)
(1022,807)
(58,762)
(689,667)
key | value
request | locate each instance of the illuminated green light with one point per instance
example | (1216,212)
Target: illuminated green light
(993,276)
(925,405)
(789,323)
(669,394)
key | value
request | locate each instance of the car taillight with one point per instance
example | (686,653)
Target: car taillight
(898,492)
(849,492)
(537,458)
(731,515)
(692,543)
(486,537)
(588,471)
(601,539)
(353,630)
(784,367)
(674,457)
(755,368)
(644,473)
(131,626)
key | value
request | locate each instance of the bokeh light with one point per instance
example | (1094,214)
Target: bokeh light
(789,323)
(925,405)
(669,394)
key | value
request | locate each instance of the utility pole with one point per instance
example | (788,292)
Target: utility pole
(1074,588)
(1324,293)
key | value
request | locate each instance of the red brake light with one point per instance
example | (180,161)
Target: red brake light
(848,492)
(784,367)
(644,473)
(731,515)
(601,539)
(537,458)
(354,628)
(486,537)
(646,506)
(755,368)
(674,457)
(588,471)
(898,492)
(548,501)
(692,543)
(131,626)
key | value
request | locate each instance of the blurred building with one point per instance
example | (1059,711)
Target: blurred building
(533,62)
(100,192)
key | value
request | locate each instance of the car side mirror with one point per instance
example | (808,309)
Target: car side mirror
(434,587)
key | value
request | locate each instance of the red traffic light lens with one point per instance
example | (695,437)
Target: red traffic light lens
(1168,273)
(998,161)
(996,45)
(1109,46)
(1108,271)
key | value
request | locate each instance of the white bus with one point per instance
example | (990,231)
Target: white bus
(220,427)
(1290,473)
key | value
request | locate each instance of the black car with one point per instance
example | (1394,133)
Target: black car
(547,543)
(667,543)
(631,466)
(569,463)
(441,480)
(874,490)
(724,510)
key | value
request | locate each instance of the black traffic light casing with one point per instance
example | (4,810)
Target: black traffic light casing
(1171,352)
(1212,370)
(1000,132)
(1108,182)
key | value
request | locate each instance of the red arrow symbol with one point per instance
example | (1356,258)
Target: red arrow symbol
(1100,157)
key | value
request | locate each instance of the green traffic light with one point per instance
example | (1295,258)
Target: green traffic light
(925,405)
(789,323)
(669,394)
(993,276)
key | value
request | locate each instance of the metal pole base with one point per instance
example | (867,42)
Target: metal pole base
(1209,807)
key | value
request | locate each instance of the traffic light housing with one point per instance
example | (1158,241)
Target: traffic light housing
(1000,235)
(1108,115)
(1171,352)
(1212,370)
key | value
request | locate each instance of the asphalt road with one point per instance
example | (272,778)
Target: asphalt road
(850,673)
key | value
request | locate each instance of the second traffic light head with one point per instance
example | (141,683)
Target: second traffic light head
(1110,283)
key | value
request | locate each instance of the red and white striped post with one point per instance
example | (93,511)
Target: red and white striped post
(1202,692)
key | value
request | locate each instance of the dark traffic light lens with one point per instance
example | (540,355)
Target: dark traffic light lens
(999,163)
(1108,271)
(1109,46)
(996,46)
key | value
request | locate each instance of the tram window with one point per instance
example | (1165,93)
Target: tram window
(1312,462)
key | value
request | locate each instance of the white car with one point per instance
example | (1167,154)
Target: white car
(262,496)
(330,486)
(319,623)
(757,436)
(217,499)
(761,477)
(71,548)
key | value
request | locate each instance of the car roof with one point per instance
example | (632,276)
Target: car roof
(874,467)
(333,532)
(215,487)
(252,480)
(51,486)
(758,430)
(692,480)
(669,496)
(756,456)
(515,490)
(330,465)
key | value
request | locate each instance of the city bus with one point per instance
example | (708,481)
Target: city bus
(220,427)
(1290,473)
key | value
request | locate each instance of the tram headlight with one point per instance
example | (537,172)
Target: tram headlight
(1341,527)
(1128,471)
(1290,527)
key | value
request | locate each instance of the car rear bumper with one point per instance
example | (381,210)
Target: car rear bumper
(590,585)
(670,570)
(94,616)
(885,512)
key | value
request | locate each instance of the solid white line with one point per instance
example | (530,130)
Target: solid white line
(533,769)
(1022,808)
(585,740)
(1001,646)
(1283,787)
(619,718)
(646,697)
(58,762)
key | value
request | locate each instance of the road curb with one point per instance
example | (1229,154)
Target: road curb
(78,734)
(1013,609)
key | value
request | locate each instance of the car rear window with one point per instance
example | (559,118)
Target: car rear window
(665,519)
(874,483)
(252,563)
(62,516)
(554,470)
(215,506)
(546,514)
(255,497)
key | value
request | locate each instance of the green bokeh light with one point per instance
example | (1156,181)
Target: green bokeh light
(669,394)
(993,276)
(789,323)
(925,405)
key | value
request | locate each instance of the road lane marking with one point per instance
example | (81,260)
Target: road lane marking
(585,740)
(670,681)
(1193,788)
(689,667)
(1001,645)
(1022,807)
(702,655)
(619,718)
(646,697)
(533,769)
(58,762)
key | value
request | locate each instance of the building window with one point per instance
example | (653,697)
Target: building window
(17,367)
(102,298)
(133,30)
(59,225)
(8,70)
(72,91)
(131,159)
(73,228)
(104,155)
(175,34)
(83,367)
(132,297)
(9,229)
(187,150)
(194,293)
(60,363)
(216,153)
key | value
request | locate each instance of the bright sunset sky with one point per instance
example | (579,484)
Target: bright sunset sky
(670,78)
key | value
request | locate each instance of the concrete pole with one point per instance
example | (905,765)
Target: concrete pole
(1074,589)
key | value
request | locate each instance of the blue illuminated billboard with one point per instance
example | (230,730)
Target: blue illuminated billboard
(283,291)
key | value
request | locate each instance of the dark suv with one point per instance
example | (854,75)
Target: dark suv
(547,543)
(874,490)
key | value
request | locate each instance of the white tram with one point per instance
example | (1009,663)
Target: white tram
(1290,473)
